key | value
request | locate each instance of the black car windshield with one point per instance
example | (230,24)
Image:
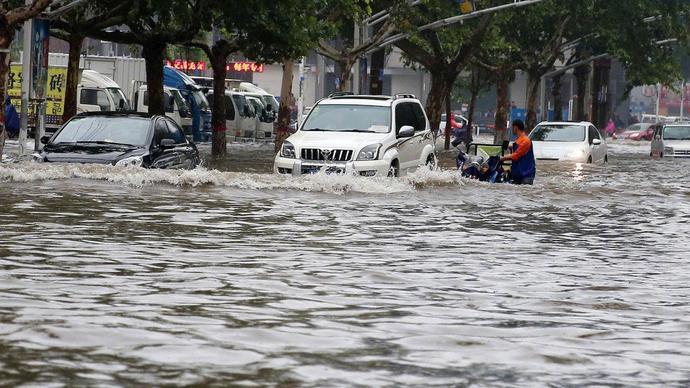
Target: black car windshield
(103,129)
(677,133)
(558,133)
(346,117)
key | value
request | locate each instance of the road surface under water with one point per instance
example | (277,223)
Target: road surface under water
(114,276)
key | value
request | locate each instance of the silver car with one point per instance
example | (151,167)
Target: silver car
(671,140)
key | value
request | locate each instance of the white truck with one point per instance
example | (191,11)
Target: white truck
(175,105)
(95,92)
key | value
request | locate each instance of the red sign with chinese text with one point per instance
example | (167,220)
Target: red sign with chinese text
(181,64)
(245,67)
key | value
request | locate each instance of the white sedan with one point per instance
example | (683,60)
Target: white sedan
(576,142)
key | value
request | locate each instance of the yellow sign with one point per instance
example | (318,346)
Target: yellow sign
(55,96)
(466,6)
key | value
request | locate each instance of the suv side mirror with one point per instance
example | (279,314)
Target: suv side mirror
(45,139)
(167,144)
(406,131)
(596,141)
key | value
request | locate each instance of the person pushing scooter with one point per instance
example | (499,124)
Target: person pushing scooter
(524,168)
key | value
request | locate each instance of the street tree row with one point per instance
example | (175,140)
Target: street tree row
(643,34)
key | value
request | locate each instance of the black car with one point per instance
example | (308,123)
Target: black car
(120,139)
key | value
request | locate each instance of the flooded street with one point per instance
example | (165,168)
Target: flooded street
(117,276)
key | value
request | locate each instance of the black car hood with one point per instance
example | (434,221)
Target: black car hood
(96,155)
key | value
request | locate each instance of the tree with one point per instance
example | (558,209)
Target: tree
(341,17)
(154,24)
(443,53)
(265,31)
(12,15)
(73,28)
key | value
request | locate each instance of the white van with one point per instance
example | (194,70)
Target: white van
(248,87)
(175,106)
(99,93)
(264,117)
(240,115)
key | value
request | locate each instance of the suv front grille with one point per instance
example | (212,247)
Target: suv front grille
(319,155)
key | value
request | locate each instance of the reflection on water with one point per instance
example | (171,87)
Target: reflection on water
(120,276)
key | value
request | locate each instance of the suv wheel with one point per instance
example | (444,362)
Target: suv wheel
(431,162)
(589,161)
(394,170)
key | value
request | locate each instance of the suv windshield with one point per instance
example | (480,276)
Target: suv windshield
(558,133)
(347,118)
(677,133)
(115,130)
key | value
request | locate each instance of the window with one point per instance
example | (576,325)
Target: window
(167,102)
(421,119)
(404,115)
(229,107)
(119,130)
(593,134)
(95,97)
(558,133)
(348,117)
(175,133)
(160,132)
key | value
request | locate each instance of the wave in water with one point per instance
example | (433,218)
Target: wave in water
(138,177)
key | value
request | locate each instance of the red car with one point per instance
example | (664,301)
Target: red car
(637,132)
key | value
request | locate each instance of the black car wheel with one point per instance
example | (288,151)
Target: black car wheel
(394,170)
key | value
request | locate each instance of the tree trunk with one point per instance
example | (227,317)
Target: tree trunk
(71,92)
(449,126)
(475,89)
(346,75)
(434,101)
(6,36)
(286,102)
(218,63)
(557,100)
(154,53)
(502,85)
(533,84)
(581,78)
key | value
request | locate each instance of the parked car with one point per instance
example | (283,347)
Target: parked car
(565,141)
(456,122)
(240,116)
(120,139)
(637,132)
(362,135)
(265,116)
(671,140)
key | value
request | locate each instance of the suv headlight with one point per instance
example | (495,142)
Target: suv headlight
(38,158)
(370,152)
(287,150)
(134,161)
(668,150)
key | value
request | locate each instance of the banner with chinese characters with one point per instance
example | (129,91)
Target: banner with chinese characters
(245,67)
(184,65)
(55,93)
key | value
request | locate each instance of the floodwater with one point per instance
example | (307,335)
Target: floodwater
(125,277)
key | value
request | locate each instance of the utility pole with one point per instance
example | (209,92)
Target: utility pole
(658,100)
(682,99)
(26,83)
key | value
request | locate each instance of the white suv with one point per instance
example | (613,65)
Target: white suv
(360,135)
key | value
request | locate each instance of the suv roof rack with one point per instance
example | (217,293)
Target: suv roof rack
(403,95)
(340,94)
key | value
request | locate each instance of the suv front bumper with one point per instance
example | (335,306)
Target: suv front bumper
(297,167)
